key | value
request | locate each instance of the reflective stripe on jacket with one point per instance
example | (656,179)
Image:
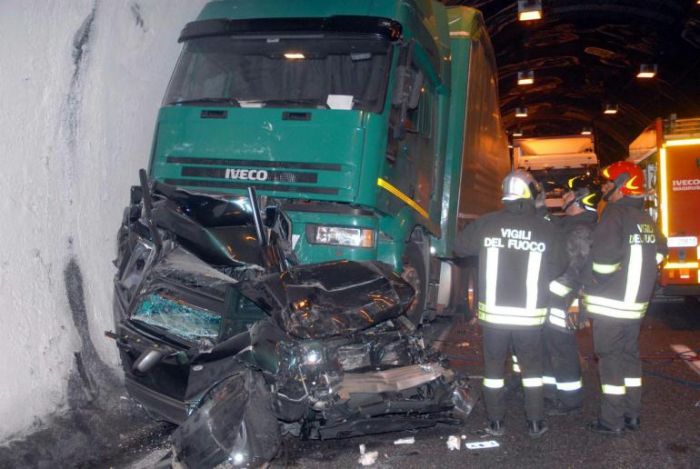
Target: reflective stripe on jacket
(624,251)
(519,253)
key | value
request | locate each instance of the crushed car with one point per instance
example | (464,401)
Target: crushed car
(221,332)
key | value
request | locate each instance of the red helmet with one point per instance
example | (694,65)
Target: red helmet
(627,176)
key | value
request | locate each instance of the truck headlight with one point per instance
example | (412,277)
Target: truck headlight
(341,236)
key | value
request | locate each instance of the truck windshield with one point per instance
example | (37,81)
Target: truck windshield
(310,71)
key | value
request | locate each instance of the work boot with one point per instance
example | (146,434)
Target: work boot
(494,428)
(560,409)
(536,428)
(603,429)
(632,423)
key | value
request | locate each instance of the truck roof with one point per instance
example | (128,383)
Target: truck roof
(421,19)
(567,151)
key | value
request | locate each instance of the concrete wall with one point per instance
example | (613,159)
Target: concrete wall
(80,85)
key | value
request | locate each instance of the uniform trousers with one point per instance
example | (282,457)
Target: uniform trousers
(562,369)
(616,343)
(496,345)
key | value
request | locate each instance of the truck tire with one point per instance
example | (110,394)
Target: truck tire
(463,300)
(415,273)
(471,292)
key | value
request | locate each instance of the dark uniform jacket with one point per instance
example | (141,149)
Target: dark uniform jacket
(627,246)
(519,254)
(577,234)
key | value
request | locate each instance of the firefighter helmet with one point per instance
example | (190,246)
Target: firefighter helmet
(587,192)
(627,176)
(520,185)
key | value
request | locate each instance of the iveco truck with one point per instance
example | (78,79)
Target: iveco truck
(555,160)
(368,131)
(374,125)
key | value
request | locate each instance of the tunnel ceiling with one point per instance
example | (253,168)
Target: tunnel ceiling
(585,54)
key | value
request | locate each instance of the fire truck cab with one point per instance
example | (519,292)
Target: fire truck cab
(669,152)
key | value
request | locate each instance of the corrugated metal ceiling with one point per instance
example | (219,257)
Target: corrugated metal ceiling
(586,53)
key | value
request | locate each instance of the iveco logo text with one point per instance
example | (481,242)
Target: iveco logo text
(247,174)
(686,184)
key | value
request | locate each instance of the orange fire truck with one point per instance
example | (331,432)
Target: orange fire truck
(669,152)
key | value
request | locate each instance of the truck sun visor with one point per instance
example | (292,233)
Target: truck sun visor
(382,27)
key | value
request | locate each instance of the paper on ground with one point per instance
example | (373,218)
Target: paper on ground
(481,444)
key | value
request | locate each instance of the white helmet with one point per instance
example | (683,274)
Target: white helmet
(520,184)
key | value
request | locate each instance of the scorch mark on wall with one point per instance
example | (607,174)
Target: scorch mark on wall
(81,41)
(92,372)
(136,11)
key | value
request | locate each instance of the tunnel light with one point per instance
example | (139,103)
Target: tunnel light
(517,133)
(529,10)
(294,56)
(526,77)
(610,109)
(586,131)
(520,112)
(647,71)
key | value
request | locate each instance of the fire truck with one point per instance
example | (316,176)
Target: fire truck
(669,152)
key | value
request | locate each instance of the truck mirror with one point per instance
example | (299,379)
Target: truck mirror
(416,89)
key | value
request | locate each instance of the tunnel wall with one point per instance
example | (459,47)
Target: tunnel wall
(80,85)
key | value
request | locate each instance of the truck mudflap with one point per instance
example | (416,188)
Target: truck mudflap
(238,347)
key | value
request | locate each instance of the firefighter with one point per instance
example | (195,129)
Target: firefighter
(625,252)
(518,256)
(562,367)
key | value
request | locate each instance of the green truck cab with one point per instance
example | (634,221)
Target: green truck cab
(374,124)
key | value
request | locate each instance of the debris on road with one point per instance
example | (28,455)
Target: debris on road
(690,357)
(481,444)
(367,458)
(405,441)
(453,443)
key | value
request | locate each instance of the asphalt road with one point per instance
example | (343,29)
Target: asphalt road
(670,434)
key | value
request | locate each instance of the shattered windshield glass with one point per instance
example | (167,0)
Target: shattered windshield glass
(297,71)
(177,317)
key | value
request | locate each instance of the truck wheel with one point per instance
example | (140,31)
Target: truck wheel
(414,272)
(463,301)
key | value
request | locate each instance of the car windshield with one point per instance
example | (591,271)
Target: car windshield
(292,71)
